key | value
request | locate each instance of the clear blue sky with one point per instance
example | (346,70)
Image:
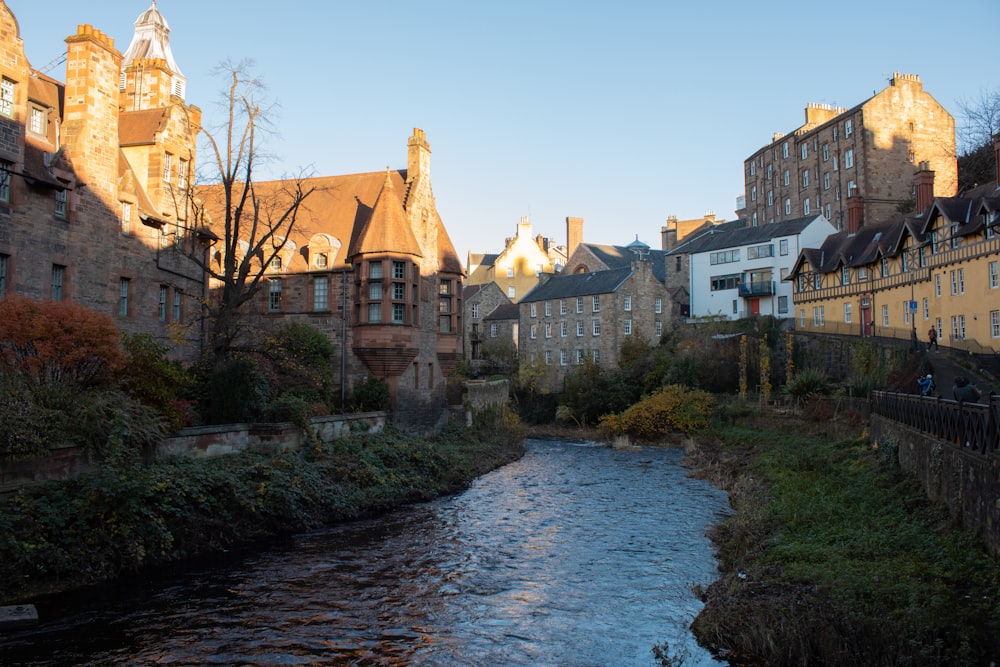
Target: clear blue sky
(620,112)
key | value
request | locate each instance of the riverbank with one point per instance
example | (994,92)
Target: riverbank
(117,522)
(833,556)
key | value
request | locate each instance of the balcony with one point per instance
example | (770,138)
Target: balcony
(763,288)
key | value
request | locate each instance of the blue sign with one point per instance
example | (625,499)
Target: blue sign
(913,306)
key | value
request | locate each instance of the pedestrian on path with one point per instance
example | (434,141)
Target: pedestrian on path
(926,385)
(932,339)
(964,391)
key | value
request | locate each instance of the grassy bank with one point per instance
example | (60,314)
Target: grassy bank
(834,557)
(118,521)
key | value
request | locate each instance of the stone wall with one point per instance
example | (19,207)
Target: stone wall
(960,478)
(484,394)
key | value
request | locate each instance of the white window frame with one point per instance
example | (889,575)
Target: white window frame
(628,303)
(848,314)
(274,295)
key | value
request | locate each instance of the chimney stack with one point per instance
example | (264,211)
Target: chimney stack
(855,213)
(574,235)
(923,187)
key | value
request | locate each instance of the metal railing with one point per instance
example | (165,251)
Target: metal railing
(974,425)
(765,288)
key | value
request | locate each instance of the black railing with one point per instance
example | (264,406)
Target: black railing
(974,425)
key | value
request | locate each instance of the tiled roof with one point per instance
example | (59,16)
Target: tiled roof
(726,236)
(386,230)
(45,90)
(139,128)
(579,284)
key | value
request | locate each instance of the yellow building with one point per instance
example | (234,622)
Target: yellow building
(517,267)
(937,269)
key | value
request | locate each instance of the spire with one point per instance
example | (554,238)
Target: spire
(151,40)
(387,229)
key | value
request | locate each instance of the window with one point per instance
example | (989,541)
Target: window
(753,193)
(848,128)
(783,246)
(444,287)
(827,211)
(805,178)
(852,188)
(937,284)
(995,323)
(805,207)
(862,273)
(658,328)
(783,305)
(770,198)
(805,150)
(444,305)
(123,285)
(768,172)
(493,329)
(885,315)
(398,313)
(826,180)
(276,263)
(579,327)
(375,270)
(60,203)
(58,276)
(321,261)
(958,327)
(906,312)
(534,331)
(788,207)
(753,167)
(628,327)
(848,159)
(548,357)
(548,330)
(596,356)
(954,282)
(836,163)
(3,275)
(562,306)
(168,160)
(724,257)
(927,308)
(320,293)
(182,174)
(847,313)
(178,296)
(994,275)
(7,96)
(784,150)
(628,303)
(126,219)
(826,152)
(579,356)
(161,310)
(735,306)
(758,251)
(596,328)
(533,310)
(835,133)
(596,304)
(728,281)
(563,329)
(398,270)
(510,271)
(563,357)
(579,304)
(374,313)
(273,295)
(445,324)
(658,305)
(6,169)
(548,309)
(786,177)
(36,121)
(511,292)
(961,280)
(475,311)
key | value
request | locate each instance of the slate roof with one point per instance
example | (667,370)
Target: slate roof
(726,236)
(505,311)
(616,256)
(579,284)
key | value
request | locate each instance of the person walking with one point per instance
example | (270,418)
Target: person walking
(932,339)
(964,391)
(926,385)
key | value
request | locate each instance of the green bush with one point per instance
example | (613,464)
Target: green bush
(370,395)
(670,409)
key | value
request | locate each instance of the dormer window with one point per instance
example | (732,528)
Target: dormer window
(36,120)
(276,263)
(321,260)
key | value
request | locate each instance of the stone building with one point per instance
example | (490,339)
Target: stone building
(479,301)
(584,313)
(517,267)
(93,178)
(369,262)
(868,151)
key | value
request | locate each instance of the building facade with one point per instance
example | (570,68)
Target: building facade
(479,302)
(868,151)
(737,272)
(939,268)
(93,180)
(369,263)
(517,267)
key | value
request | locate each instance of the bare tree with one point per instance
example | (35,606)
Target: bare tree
(247,223)
(979,121)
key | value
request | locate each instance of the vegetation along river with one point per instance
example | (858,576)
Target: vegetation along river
(577,554)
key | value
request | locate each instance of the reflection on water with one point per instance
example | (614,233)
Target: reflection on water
(575,555)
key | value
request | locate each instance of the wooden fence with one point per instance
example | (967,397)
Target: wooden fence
(976,425)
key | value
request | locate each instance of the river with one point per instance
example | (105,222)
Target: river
(575,555)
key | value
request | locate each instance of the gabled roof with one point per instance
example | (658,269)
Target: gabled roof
(726,236)
(129,183)
(568,285)
(616,256)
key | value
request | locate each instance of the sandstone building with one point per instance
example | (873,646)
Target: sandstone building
(93,176)
(517,267)
(868,151)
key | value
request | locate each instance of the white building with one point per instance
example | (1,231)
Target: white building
(738,271)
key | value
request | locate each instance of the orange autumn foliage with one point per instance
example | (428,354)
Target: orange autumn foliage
(55,341)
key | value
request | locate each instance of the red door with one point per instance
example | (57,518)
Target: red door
(755,306)
(866,322)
